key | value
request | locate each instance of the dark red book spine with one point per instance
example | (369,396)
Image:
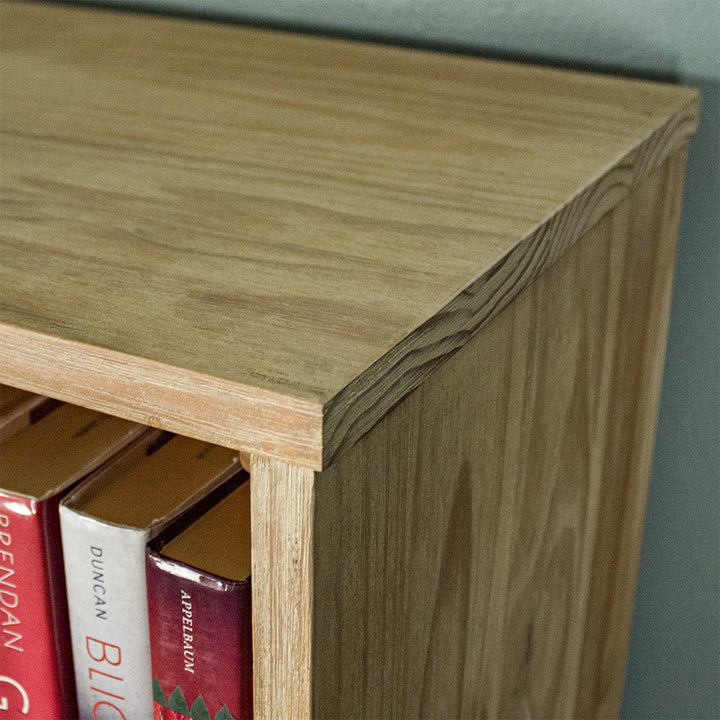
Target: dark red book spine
(36,672)
(200,642)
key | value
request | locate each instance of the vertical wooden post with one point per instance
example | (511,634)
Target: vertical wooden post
(282,545)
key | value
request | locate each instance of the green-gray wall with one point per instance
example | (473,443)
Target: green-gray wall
(674,663)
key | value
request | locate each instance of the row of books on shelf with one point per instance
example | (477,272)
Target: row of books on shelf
(124,569)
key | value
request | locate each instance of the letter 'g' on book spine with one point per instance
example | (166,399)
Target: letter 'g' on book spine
(36,679)
(38,465)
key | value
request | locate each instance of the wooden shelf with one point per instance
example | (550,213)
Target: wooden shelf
(428,295)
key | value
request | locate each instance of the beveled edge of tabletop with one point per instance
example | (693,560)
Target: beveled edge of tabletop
(300,431)
(360,405)
(305,432)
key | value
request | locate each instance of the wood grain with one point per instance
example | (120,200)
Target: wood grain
(356,408)
(174,399)
(282,505)
(295,217)
(475,553)
(425,294)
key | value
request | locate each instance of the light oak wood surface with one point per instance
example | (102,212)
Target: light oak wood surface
(283,503)
(267,240)
(425,295)
(475,553)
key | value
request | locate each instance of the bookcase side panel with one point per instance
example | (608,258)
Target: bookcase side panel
(282,506)
(475,554)
(650,225)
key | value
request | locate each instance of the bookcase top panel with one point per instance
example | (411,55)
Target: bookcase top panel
(268,229)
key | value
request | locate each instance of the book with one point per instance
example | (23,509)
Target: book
(200,616)
(20,408)
(106,525)
(38,465)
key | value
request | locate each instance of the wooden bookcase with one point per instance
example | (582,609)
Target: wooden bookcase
(427,294)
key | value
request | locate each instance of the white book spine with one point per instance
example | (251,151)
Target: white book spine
(107,601)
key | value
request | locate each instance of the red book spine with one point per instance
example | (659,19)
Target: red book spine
(36,677)
(200,642)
